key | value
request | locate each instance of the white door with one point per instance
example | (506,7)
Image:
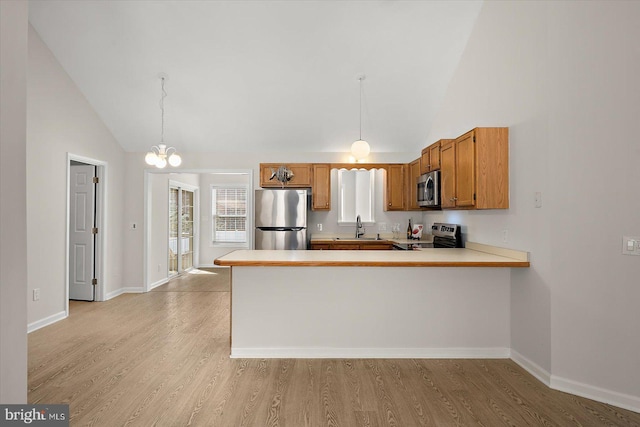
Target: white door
(81,237)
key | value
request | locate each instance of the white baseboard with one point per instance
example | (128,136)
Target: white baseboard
(159,283)
(370,353)
(621,400)
(211,266)
(533,368)
(130,290)
(46,321)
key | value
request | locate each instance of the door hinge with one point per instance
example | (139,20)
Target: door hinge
(96,180)
(94,282)
(94,230)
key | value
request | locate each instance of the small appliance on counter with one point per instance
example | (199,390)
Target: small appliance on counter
(446,235)
(281,219)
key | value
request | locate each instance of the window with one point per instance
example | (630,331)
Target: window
(229,211)
(356,189)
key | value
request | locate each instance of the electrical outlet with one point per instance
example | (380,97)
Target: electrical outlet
(159,267)
(382,226)
(630,245)
(36,294)
(319,227)
(505,236)
(538,199)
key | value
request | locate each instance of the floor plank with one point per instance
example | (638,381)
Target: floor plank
(162,359)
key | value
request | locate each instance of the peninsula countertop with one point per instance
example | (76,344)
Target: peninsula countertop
(474,255)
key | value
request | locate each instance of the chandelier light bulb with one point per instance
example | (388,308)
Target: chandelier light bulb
(175,160)
(151,158)
(161,163)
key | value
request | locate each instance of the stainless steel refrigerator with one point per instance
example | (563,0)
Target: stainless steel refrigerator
(281,219)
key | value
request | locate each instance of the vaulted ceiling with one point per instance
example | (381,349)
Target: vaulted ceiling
(260,75)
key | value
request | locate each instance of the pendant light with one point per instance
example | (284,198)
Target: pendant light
(161,154)
(360,149)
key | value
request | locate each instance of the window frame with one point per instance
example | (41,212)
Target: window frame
(237,244)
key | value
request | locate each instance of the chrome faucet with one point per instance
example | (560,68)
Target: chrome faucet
(359,227)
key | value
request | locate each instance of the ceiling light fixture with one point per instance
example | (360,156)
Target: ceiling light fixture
(161,154)
(360,149)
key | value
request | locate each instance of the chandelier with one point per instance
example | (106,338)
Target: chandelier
(160,154)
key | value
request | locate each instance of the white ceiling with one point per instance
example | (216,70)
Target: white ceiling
(260,75)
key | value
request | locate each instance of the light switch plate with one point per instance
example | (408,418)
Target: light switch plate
(630,245)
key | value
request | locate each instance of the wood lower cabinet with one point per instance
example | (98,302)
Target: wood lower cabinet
(378,245)
(301,175)
(321,187)
(475,170)
(395,191)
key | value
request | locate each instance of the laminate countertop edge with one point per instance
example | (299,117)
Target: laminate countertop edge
(479,256)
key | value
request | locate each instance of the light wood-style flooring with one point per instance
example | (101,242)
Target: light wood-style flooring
(162,358)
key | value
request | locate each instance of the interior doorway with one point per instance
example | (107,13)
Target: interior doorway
(85,229)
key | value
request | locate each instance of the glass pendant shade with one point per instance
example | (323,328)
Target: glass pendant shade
(360,149)
(175,160)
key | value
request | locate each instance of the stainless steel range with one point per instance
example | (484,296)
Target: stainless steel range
(446,235)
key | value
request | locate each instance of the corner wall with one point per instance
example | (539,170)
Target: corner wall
(563,77)
(61,121)
(13,209)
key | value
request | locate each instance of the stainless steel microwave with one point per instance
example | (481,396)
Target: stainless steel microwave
(429,189)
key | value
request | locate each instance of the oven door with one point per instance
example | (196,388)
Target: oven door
(429,189)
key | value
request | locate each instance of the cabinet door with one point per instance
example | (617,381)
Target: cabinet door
(424,160)
(395,191)
(448,175)
(434,156)
(412,185)
(321,188)
(345,246)
(320,246)
(301,175)
(465,170)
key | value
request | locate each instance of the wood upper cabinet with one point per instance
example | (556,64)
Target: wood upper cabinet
(395,191)
(301,175)
(448,175)
(413,173)
(321,187)
(475,170)
(430,159)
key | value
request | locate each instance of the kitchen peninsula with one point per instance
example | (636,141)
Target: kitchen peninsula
(422,303)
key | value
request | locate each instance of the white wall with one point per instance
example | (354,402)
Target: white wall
(61,121)
(13,225)
(563,77)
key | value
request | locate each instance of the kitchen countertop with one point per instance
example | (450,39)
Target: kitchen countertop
(474,255)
